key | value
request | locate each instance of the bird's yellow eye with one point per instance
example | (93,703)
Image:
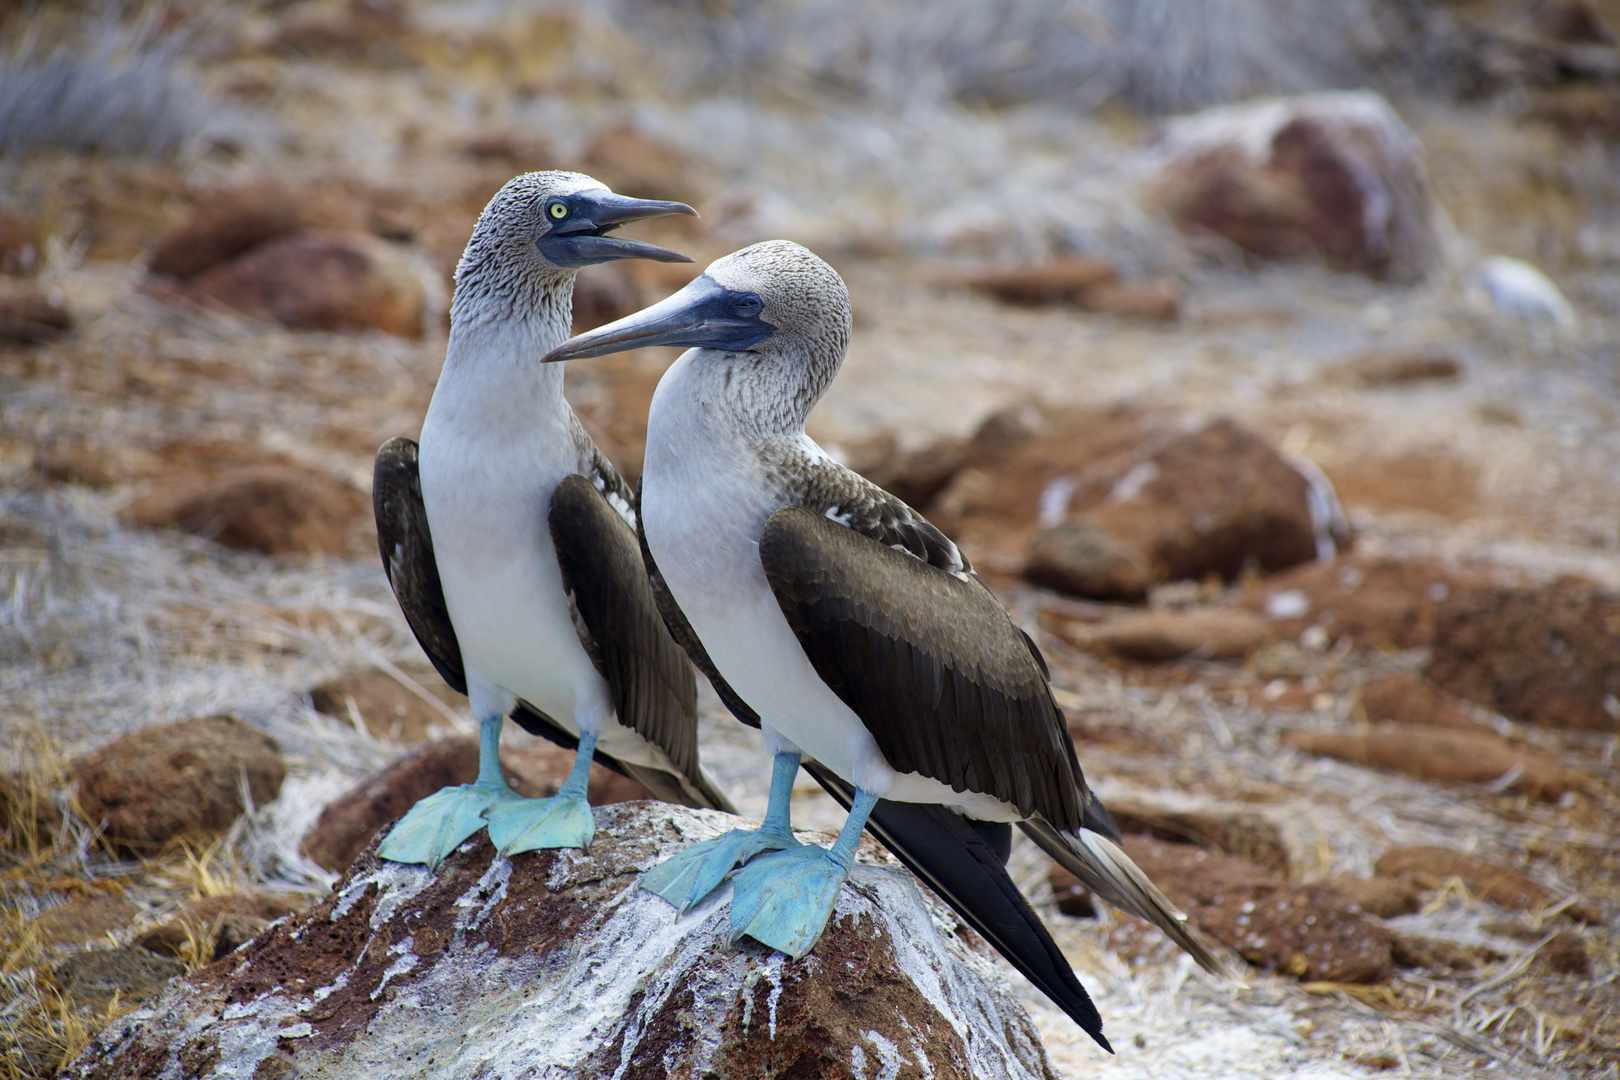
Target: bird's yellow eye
(559,210)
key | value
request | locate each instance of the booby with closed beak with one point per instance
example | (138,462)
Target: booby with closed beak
(853,632)
(510,540)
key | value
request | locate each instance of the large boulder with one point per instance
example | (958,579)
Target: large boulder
(1335,176)
(182,780)
(224,225)
(1545,655)
(1107,502)
(1309,931)
(276,508)
(1378,603)
(320,281)
(554,964)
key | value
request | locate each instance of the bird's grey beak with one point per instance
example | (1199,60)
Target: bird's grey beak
(705,314)
(583,241)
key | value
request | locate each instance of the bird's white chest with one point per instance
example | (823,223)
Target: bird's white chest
(487,475)
(705,501)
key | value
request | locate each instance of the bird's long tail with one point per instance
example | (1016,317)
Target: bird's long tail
(1104,868)
(964,862)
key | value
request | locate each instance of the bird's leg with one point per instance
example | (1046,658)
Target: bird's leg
(562,821)
(785,899)
(686,877)
(437,825)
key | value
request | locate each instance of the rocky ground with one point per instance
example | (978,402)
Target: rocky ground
(1318,527)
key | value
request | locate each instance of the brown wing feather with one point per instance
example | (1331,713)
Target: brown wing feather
(654,691)
(929,661)
(406,546)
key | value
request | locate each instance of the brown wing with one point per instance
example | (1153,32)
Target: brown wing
(406,546)
(947,685)
(654,692)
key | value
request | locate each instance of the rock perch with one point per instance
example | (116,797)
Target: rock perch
(554,964)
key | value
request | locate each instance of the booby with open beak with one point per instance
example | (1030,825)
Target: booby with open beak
(510,540)
(853,632)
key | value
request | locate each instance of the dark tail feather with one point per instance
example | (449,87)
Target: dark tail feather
(965,863)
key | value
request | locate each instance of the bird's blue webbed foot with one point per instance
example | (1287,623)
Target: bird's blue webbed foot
(785,899)
(438,824)
(562,821)
(688,876)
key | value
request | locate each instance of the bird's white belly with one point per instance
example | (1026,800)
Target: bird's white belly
(705,542)
(487,509)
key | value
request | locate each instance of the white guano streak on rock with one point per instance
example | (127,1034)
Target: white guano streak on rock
(616,962)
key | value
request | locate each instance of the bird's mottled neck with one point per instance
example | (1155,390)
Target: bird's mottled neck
(492,294)
(768,394)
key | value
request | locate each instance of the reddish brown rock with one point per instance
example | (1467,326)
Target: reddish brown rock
(1084,559)
(1449,756)
(1336,177)
(177,780)
(1410,701)
(1243,833)
(1377,603)
(320,281)
(1431,867)
(1547,655)
(1062,281)
(31,316)
(1212,501)
(348,824)
(79,922)
(387,708)
(22,245)
(1192,501)
(223,226)
(1308,931)
(554,963)
(1396,367)
(275,509)
(1159,636)
(1380,896)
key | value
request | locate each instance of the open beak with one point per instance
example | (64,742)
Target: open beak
(584,241)
(701,315)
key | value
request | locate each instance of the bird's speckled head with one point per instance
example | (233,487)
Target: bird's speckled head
(536,233)
(773,320)
(802,298)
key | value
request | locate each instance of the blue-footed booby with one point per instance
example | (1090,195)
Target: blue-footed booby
(510,540)
(853,632)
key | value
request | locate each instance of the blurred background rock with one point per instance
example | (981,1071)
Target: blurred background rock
(1261,353)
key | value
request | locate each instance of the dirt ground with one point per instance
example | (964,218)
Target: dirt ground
(401,124)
